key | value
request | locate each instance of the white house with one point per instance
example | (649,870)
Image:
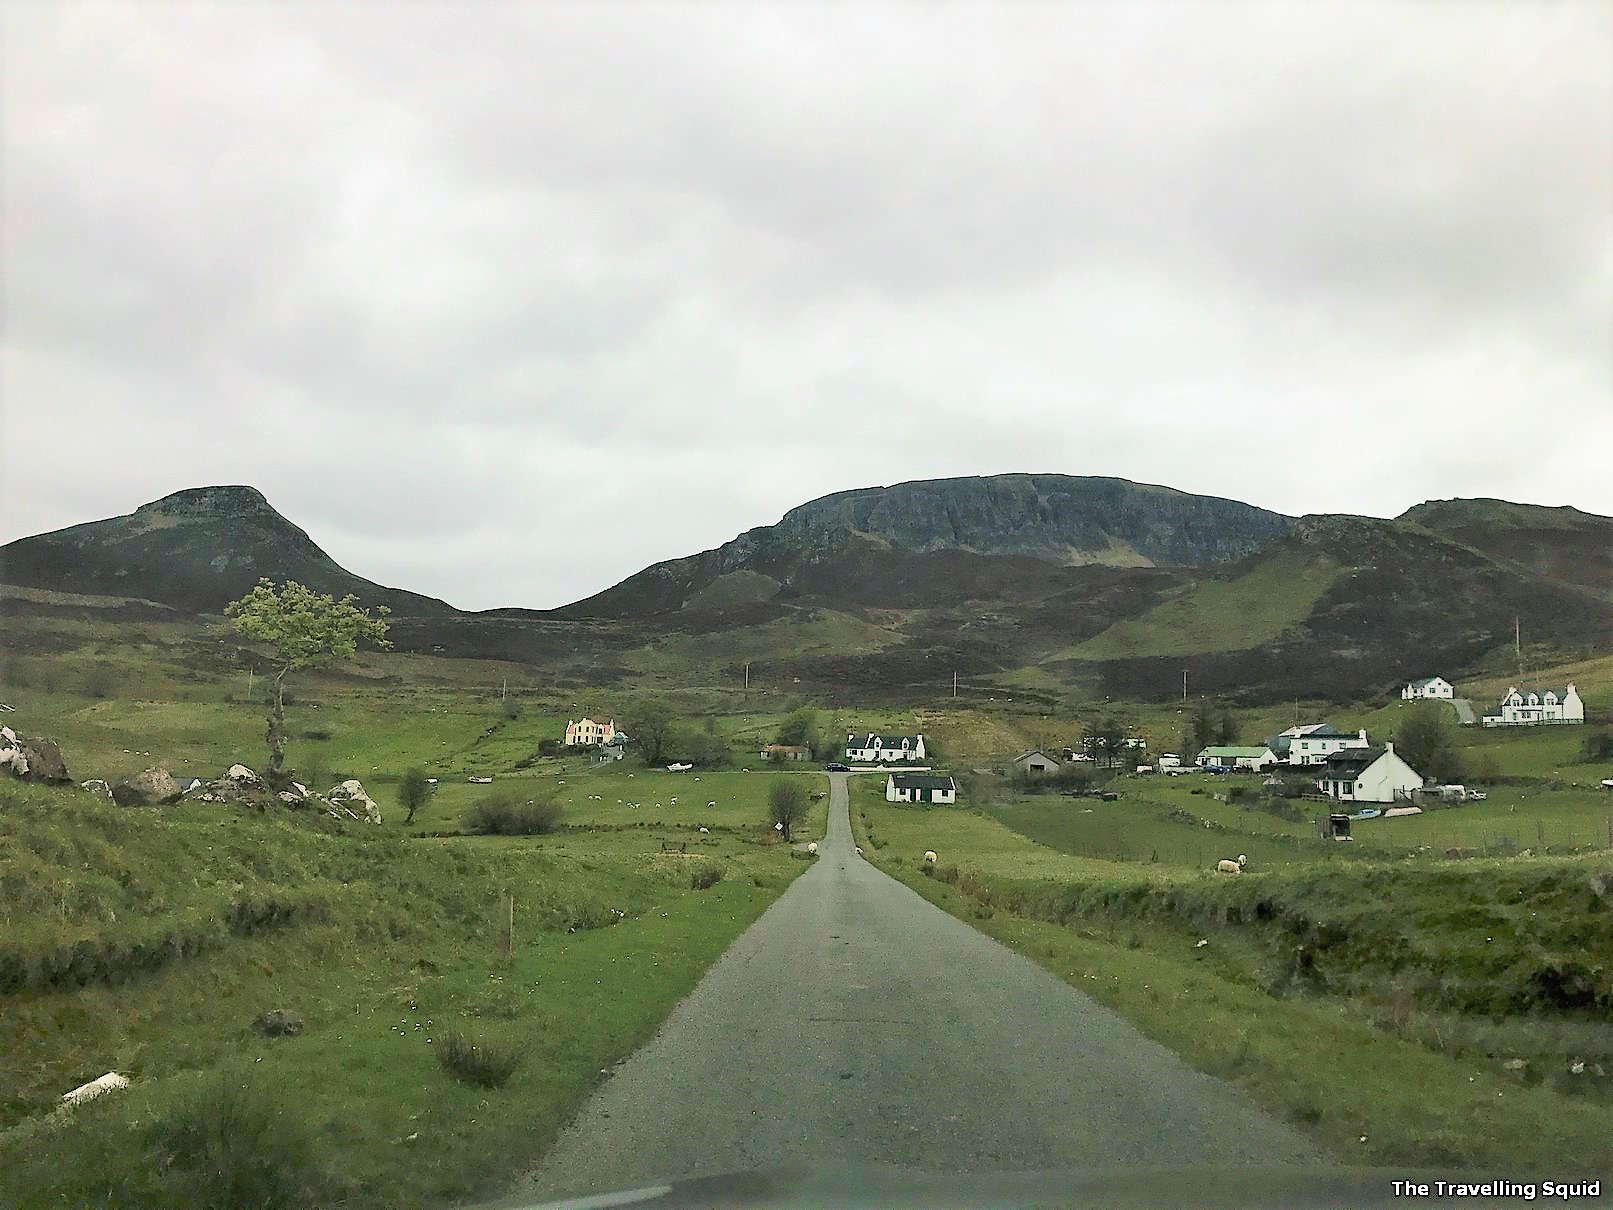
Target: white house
(920,787)
(1369,775)
(1313,743)
(1222,757)
(1429,686)
(1168,760)
(1532,707)
(586,733)
(884,749)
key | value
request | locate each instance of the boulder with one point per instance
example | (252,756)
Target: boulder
(240,773)
(149,786)
(349,801)
(278,1023)
(96,785)
(32,758)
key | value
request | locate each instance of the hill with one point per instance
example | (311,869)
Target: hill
(1561,544)
(937,540)
(195,550)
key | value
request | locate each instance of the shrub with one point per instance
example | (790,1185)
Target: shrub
(229,1146)
(706,874)
(550,747)
(506,813)
(483,1064)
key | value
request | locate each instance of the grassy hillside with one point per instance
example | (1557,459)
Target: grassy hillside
(148,941)
(1404,1011)
(1222,615)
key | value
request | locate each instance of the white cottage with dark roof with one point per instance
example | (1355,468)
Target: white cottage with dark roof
(1436,687)
(920,787)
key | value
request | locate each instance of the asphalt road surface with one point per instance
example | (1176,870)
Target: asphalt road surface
(855,1022)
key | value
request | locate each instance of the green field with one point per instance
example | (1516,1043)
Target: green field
(147,941)
(1428,1025)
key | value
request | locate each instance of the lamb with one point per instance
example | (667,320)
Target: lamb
(859,850)
(1231,867)
(929,857)
(813,847)
(704,830)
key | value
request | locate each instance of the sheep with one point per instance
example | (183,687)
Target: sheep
(859,850)
(88,1092)
(1231,867)
(813,848)
(929,857)
(703,831)
(711,804)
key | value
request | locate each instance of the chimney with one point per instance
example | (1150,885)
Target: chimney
(1390,747)
(1363,733)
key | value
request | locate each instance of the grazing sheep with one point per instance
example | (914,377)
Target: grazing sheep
(1231,867)
(88,1092)
(711,804)
(704,830)
(813,847)
(859,850)
(929,857)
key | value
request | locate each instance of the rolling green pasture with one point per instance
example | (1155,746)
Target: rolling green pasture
(147,940)
(1370,1049)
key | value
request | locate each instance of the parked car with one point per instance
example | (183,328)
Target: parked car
(836,767)
(1476,796)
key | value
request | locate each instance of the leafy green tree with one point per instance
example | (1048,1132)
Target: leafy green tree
(302,629)
(1425,739)
(1226,731)
(800,727)
(413,791)
(1105,739)
(786,804)
(652,726)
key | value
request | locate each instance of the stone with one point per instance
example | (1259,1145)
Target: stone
(278,1023)
(32,758)
(348,800)
(96,785)
(148,787)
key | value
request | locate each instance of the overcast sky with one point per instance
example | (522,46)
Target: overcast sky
(502,304)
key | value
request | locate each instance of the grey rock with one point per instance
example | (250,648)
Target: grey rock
(278,1023)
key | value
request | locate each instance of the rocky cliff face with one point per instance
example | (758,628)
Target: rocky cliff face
(932,535)
(1061,518)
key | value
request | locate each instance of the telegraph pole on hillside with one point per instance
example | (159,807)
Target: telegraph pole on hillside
(747,676)
(1517,643)
(954,682)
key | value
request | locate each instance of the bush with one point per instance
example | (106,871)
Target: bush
(506,813)
(230,1146)
(550,747)
(484,1065)
(706,874)
(1598,746)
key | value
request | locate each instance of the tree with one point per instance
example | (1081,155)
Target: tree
(413,791)
(1202,730)
(1425,739)
(1105,739)
(1227,731)
(302,629)
(799,727)
(651,726)
(786,804)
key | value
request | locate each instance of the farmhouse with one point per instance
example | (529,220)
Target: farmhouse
(1534,707)
(785,752)
(1313,743)
(1429,686)
(920,787)
(883,749)
(1035,762)
(1235,758)
(1369,775)
(585,733)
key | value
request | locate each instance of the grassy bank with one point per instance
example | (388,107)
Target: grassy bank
(393,942)
(1404,1011)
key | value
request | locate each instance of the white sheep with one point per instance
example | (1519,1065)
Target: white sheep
(929,857)
(1231,867)
(713,803)
(88,1092)
(704,830)
(813,847)
(859,850)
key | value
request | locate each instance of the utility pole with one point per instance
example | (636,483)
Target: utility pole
(1184,689)
(747,675)
(1517,643)
(250,669)
(503,688)
(954,682)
